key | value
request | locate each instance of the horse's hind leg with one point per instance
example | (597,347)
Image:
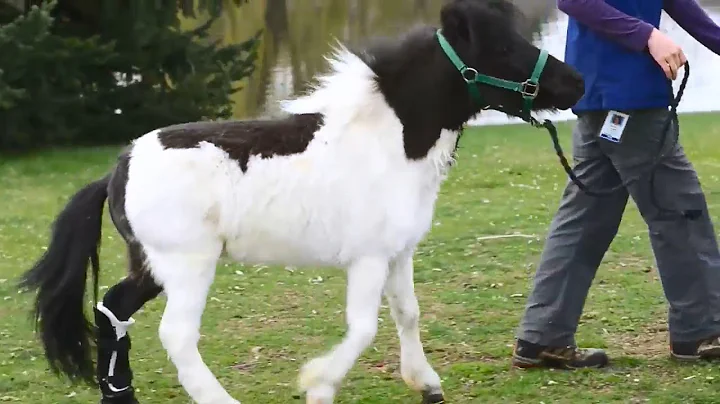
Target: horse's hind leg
(186,278)
(112,319)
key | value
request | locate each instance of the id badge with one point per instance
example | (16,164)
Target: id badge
(614,126)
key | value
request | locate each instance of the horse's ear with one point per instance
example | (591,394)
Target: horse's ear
(455,22)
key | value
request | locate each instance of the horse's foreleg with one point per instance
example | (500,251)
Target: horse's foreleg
(321,377)
(404,308)
(186,278)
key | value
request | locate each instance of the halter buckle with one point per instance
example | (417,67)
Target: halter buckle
(530,89)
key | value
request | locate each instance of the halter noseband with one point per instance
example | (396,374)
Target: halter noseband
(528,89)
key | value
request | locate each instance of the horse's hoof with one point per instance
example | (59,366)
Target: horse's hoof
(126,399)
(320,395)
(432,398)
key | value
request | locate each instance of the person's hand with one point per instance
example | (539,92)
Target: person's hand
(666,53)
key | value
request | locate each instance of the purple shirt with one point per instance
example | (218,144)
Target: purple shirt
(634,33)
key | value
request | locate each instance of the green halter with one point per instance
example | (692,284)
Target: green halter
(528,89)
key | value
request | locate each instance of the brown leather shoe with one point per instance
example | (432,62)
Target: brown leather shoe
(696,350)
(527,356)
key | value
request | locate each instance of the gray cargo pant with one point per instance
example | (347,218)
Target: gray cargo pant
(686,251)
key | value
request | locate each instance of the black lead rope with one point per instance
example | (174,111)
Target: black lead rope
(529,91)
(675,100)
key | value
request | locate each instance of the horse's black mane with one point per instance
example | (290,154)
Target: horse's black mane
(417,80)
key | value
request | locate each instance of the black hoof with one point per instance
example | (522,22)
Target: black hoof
(128,400)
(432,398)
(121,399)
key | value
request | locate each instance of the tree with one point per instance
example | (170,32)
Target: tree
(132,70)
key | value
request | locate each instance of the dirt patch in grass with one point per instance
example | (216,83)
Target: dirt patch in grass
(651,342)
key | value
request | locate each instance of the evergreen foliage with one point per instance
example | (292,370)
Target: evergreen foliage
(133,70)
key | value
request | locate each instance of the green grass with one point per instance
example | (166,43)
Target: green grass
(262,323)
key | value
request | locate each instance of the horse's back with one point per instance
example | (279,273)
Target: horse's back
(241,139)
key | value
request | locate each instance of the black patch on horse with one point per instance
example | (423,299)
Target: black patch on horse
(428,93)
(245,138)
(420,86)
(117,187)
(116,195)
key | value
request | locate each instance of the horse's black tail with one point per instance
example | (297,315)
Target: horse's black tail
(60,277)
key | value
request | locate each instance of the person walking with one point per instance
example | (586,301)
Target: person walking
(627,65)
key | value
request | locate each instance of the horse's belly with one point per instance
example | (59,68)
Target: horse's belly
(328,231)
(293,234)
(271,249)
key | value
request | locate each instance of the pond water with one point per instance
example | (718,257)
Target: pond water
(298,33)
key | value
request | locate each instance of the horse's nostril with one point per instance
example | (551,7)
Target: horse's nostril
(580,82)
(580,85)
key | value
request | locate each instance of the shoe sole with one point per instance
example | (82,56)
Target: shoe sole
(520,362)
(525,363)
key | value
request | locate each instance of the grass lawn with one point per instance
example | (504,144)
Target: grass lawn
(262,323)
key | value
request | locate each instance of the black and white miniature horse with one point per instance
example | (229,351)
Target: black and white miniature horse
(349,180)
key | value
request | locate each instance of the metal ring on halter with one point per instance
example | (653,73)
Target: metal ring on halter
(474,72)
(527,84)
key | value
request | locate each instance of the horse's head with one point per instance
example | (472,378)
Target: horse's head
(484,34)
